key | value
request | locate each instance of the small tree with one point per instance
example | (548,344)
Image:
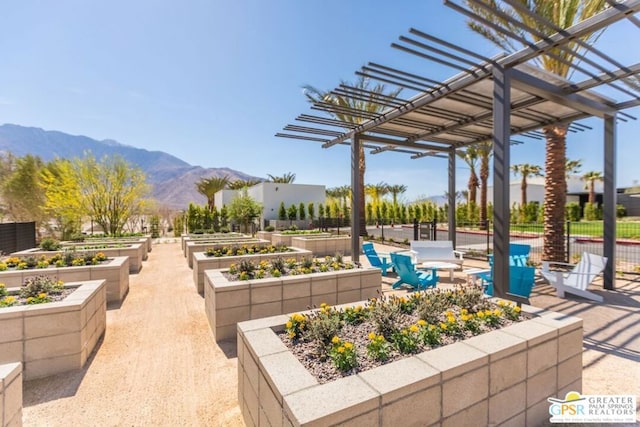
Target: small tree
(224,217)
(215,219)
(282,212)
(302,211)
(244,209)
(292,213)
(311,211)
(320,210)
(155,226)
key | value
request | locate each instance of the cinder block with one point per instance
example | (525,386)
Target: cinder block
(13,397)
(269,404)
(569,344)
(368,419)
(251,399)
(348,296)
(232,298)
(464,391)
(296,304)
(497,344)
(541,386)
(507,404)
(251,370)
(54,346)
(264,294)
(507,372)
(231,316)
(517,421)
(475,415)
(455,359)
(418,409)
(538,414)
(570,371)
(349,281)
(11,330)
(55,324)
(226,332)
(368,293)
(45,367)
(321,284)
(542,357)
(317,300)
(265,310)
(296,289)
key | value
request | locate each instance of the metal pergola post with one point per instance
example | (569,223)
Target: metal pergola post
(452,197)
(355,198)
(501,161)
(609,201)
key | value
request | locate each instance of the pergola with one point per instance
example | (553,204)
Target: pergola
(489,99)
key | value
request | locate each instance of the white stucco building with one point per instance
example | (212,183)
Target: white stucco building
(576,190)
(271,194)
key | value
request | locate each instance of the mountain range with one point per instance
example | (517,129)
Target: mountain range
(173,180)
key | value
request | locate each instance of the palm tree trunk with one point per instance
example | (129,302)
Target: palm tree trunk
(484,178)
(592,192)
(555,193)
(523,192)
(473,187)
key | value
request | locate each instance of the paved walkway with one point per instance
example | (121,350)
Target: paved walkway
(158,364)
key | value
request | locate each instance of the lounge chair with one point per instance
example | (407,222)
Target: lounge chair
(578,279)
(518,255)
(521,281)
(374,259)
(408,275)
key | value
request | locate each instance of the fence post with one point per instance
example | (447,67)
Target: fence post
(434,226)
(568,242)
(486,225)
(382,229)
(415,229)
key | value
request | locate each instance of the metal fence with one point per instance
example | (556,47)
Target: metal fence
(17,236)
(477,239)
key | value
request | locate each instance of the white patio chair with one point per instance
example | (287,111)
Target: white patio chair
(578,279)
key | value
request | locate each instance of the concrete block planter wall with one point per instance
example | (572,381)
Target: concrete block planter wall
(214,236)
(500,378)
(135,251)
(227,303)
(201,262)
(11,395)
(54,337)
(193,247)
(115,273)
(264,235)
(145,240)
(285,239)
(324,245)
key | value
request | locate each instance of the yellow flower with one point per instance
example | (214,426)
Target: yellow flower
(348,345)
(372,336)
(335,340)
(501,303)
(517,309)
(464,311)
(380,338)
(422,322)
(464,317)
(480,314)
(451,319)
(2,286)
(292,334)
(42,295)
(10,299)
(497,312)
(324,305)
(487,312)
(358,308)
(413,328)
(443,326)
(289,325)
(341,349)
(449,313)
(30,299)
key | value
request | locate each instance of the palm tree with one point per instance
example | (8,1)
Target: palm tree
(484,149)
(563,14)
(287,178)
(525,170)
(208,187)
(370,105)
(239,184)
(573,167)
(470,157)
(591,177)
(377,191)
(395,190)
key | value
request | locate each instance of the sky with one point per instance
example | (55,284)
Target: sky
(212,81)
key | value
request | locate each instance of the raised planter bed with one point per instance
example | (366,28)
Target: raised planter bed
(135,251)
(264,235)
(54,337)
(285,239)
(324,245)
(501,377)
(193,247)
(145,240)
(212,236)
(11,395)
(115,272)
(227,303)
(202,262)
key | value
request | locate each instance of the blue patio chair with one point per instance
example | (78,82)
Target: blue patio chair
(408,275)
(374,259)
(518,255)
(521,280)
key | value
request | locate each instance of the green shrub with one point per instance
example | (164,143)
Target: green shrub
(292,213)
(592,212)
(34,286)
(302,211)
(50,244)
(572,211)
(269,228)
(621,211)
(282,212)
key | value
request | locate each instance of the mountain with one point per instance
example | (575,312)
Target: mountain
(172,179)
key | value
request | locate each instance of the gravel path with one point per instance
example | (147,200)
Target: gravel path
(158,364)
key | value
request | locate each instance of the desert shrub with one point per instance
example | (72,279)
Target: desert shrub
(431,305)
(50,244)
(322,326)
(35,286)
(572,211)
(385,314)
(269,228)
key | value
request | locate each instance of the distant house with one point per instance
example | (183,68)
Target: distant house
(271,194)
(576,190)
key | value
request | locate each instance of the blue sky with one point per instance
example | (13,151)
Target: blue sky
(212,81)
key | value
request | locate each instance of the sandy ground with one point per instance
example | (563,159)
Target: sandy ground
(158,364)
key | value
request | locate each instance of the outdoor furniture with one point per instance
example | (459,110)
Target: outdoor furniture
(521,280)
(435,250)
(408,275)
(437,265)
(578,279)
(518,254)
(375,259)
